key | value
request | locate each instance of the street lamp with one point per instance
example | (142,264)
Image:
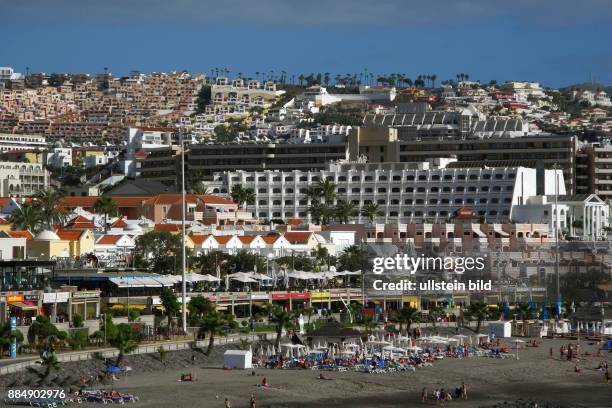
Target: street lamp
(183,204)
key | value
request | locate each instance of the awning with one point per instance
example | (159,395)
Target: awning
(24,306)
(497,228)
(476,230)
(139,282)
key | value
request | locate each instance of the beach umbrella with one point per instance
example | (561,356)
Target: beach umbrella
(506,311)
(273,350)
(558,308)
(517,342)
(113,369)
(544,311)
(250,349)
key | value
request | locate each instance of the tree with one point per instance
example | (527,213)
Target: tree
(123,339)
(199,307)
(243,196)
(7,336)
(42,329)
(160,250)
(214,323)
(478,311)
(351,258)
(371,211)
(345,211)
(170,303)
(281,320)
(108,207)
(77,321)
(407,315)
(369,324)
(27,217)
(435,311)
(49,203)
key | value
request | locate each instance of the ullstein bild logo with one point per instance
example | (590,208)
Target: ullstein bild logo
(403,262)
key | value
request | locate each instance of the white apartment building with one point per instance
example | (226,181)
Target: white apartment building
(404,192)
(13,141)
(22,178)
(59,157)
(250,93)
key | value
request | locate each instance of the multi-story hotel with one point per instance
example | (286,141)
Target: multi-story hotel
(22,178)
(404,192)
(380,143)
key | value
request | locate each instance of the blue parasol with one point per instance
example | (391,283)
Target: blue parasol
(544,311)
(112,369)
(506,311)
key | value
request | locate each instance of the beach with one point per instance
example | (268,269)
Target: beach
(535,376)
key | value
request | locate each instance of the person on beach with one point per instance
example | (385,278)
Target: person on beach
(228,403)
(607,376)
(424,395)
(264,383)
(464,390)
(252,401)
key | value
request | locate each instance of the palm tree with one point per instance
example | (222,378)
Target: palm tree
(435,311)
(371,211)
(123,340)
(170,303)
(7,336)
(212,324)
(243,196)
(479,311)
(107,206)
(27,217)
(407,315)
(326,190)
(344,211)
(369,324)
(50,362)
(433,80)
(49,202)
(281,320)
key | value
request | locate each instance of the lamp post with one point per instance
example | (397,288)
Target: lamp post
(555,221)
(184,278)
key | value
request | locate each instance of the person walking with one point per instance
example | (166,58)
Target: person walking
(464,390)
(424,395)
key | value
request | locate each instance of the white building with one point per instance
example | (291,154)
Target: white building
(22,178)
(404,192)
(13,141)
(59,157)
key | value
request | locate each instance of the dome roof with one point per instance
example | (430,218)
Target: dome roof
(133,227)
(47,236)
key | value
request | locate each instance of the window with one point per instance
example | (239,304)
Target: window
(485,188)
(431,213)
(397,178)
(407,213)
(263,214)
(434,189)
(448,177)
(342,178)
(422,177)
(461,177)
(303,178)
(277,178)
(355,178)
(262,178)
(382,190)
(276,202)
(288,202)
(410,178)
(369,190)
(483,201)
(460,189)
(433,201)
(408,201)
(263,202)
(470,201)
(458,201)
(409,189)
(276,191)
(395,202)
(382,178)
(262,191)
(496,188)
(289,191)
(395,190)
(499,176)
(342,190)
(471,188)
(446,189)
(355,190)
(380,202)
(435,177)
(368,178)
(473,177)
(288,179)
(486,176)
(421,190)
(420,201)
(393,214)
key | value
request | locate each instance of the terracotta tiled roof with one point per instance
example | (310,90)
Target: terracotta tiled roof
(270,239)
(246,239)
(167,227)
(21,234)
(68,235)
(223,239)
(294,221)
(198,239)
(108,239)
(119,223)
(4,222)
(297,237)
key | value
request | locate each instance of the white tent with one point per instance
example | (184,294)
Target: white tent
(240,359)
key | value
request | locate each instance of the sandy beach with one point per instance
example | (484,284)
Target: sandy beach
(536,376)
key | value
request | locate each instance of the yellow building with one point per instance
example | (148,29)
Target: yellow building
(61,244)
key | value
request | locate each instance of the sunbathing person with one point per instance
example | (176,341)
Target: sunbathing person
(322,377)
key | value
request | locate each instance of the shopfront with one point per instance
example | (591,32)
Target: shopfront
(22,306)
(53,303)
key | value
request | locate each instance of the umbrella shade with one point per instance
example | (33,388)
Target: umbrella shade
(113,369)
(244,279)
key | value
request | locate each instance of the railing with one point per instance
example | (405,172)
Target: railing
(142,349)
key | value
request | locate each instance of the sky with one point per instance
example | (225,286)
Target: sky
(555,42)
